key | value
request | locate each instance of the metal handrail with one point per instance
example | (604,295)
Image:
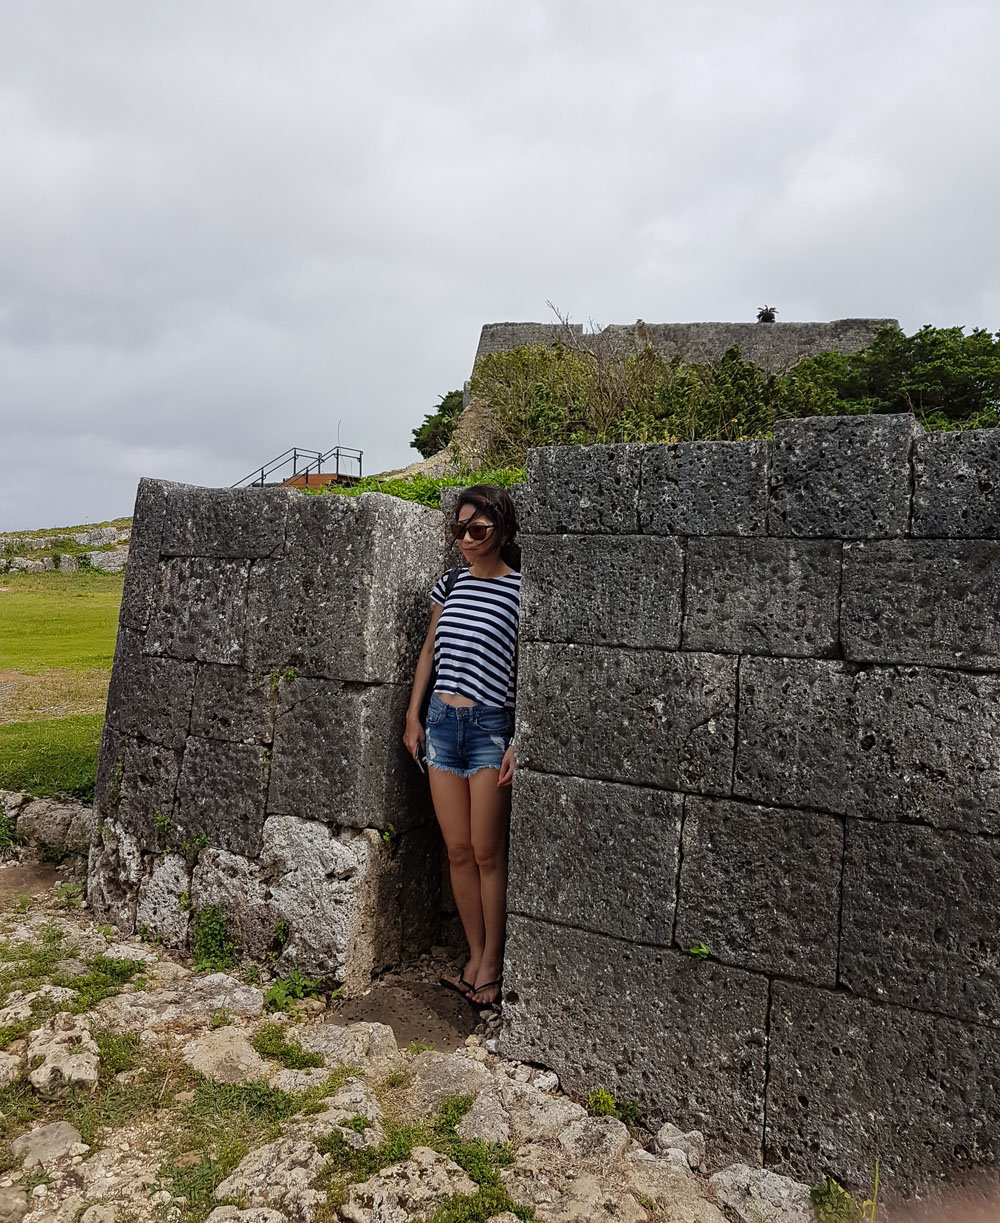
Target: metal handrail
(316,460)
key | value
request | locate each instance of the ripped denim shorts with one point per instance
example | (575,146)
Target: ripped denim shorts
(463,741)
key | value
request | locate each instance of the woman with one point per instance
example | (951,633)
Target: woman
(469,655)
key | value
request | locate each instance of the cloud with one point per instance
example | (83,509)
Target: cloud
(232,226)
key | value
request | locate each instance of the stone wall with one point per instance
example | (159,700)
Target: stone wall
(775,347)
(252,755)
(759,710)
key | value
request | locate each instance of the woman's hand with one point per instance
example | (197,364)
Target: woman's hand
(413,735)
(507,768)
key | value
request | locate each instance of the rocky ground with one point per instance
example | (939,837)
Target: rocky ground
(134,1089)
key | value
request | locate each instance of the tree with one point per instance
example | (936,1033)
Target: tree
(435,432)
(766,314)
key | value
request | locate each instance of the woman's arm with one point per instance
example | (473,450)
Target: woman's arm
(413,735)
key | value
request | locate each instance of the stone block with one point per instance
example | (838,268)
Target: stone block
(957,484)
(233,704)
(762,887)
(595,855)
(201,610)
(650,717)
(704,488)
(919,919)
(915,744)
(351,598)
(149,696)
(643,1022)
(923,601)
(842,477)
(762,596)
(143,555)
(161,909)
(339,756)
(344,896)
(136,782)
(236,886)
(225,522)
(220,795)
(591,490)
(603,590)
(850,1082)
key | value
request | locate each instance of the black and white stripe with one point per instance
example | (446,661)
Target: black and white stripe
(476,638)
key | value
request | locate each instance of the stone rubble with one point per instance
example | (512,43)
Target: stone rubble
(567,1165)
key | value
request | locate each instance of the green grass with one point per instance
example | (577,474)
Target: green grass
(52,759)
(270,1041)
(58,620)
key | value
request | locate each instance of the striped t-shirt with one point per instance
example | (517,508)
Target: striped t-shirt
(476,638)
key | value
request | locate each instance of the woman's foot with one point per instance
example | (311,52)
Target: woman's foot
(463,982)
(489,983)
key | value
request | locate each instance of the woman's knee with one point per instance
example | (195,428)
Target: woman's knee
(489,856)
(460,853)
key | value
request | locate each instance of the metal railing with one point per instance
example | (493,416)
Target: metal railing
(303,463)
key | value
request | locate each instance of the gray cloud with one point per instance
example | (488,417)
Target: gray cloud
(229,226)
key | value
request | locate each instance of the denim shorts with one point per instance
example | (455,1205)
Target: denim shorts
(463,741)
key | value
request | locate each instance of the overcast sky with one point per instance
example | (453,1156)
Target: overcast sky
(228,226)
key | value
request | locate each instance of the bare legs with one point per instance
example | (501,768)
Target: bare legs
(474,813)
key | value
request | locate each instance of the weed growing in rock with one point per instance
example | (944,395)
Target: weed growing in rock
(833,1203)
(106,977)
(289,989)
(700,951)
(8,833)
(481,1161)
(161,822)
(211,949)
(118,1051)
(271,1041)
(222,1017)
(68,894)
(602,1103)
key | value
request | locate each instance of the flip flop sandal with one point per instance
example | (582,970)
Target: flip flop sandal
(493,1005)
(461,986)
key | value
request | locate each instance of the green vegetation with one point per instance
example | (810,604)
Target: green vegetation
(290,989)
(601,1103)
(833,1204)
(700,951)
(59,620)
(438,426)
(423,489)
(481,1161)
(271,1041)
(593,389)
(211,949)
(51,759)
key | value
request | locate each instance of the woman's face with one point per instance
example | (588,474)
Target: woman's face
(471,550)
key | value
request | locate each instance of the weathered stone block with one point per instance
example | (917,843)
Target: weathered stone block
(595,855)
(237,887)
(136,782)
(917,601)
(233,704)
(842,477)
(920,919)
(762,596)
(957,484)
(220,795)
(225,522)
(201,610)
(149,696)
(603,590)
(161,909)
(115,872)
(592,490)
(914,744)
(652,717)
(351,598)
(762,887)
(339,756)
(143,555)
(704,488)
(644,1023)
(848,1080)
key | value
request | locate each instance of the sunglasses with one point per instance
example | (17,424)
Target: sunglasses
(476,531)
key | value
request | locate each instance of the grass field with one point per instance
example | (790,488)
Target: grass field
(57,640)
